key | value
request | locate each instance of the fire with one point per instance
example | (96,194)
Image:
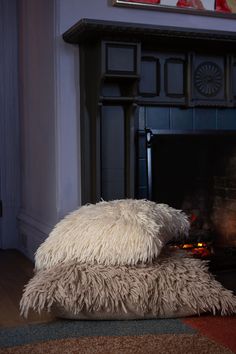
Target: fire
(199,249)
(187,245)
(200,244)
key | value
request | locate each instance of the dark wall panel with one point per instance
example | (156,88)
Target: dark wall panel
(181,119)
(142,147)
(226,119)
(121,58)
(142,193)
(149,85)
(190,118)
(205,119)
(174,78)
(158,117)
(142,172)
(112,152)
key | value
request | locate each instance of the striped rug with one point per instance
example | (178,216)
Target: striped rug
(205,334)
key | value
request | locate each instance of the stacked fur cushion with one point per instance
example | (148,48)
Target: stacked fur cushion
(121,232)
(103,261)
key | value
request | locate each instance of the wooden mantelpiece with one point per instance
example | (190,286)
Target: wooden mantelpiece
(126,67)
(89,29)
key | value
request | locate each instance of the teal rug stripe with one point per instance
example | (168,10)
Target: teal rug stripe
(10,337)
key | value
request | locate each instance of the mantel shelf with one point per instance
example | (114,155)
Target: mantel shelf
(91,30)
(110,99)
(121,76)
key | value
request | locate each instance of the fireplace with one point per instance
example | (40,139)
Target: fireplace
(158,120)
(196,172)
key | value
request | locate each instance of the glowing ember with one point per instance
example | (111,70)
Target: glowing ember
(201,252)
(199,249)
(202,244)
(187,246)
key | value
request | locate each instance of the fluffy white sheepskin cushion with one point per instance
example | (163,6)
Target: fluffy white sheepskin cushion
(112,233)
(169,287)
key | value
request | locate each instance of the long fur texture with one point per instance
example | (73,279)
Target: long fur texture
(168,285)
(120,232)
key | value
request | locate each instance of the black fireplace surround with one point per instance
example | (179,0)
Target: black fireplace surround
(158,117)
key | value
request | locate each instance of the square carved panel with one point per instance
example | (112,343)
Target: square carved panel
(120,58)
(208,80)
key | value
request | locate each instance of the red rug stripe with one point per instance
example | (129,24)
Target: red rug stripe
(221,329)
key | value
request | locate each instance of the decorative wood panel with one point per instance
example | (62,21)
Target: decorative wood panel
(149,85)
(112,153)
(120,58)
(209,85)
(163,78)
(174,78)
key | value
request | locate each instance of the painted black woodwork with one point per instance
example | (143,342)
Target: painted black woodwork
(134,77)
(234,79)
(112,152)
(163,78)
(175,78)
(149,85)
(88,30)
(209,80)
(120,59)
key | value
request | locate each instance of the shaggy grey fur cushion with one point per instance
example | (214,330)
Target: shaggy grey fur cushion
(170,287)
(119,232)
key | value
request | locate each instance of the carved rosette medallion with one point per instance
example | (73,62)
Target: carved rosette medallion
(208,79)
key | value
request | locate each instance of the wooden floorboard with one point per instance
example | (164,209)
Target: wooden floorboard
(16,270)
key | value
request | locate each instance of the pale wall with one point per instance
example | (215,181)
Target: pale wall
(50,185)
(73,10)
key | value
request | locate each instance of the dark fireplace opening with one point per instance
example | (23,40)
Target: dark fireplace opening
(196,172)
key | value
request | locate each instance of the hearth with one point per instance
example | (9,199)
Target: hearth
(196,172)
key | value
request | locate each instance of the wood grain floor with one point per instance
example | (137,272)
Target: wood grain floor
(16,270)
